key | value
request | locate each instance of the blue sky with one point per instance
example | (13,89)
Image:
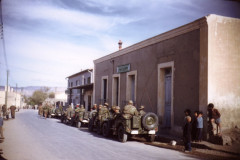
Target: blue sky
(48,40)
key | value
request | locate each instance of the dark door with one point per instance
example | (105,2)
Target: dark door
(168,97)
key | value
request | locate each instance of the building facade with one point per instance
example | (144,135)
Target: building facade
(13,98)
(187,67)
(80,88)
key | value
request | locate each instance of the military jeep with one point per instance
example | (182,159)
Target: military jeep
(123,128)
(96,122)
(80,119)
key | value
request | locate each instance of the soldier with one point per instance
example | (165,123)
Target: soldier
(81,114)
(4,110)
(116,112)
(13,108)
(129,110)
(40,110)
(69,112)
(104,111)
(45,110)
(112,111)
(61,108)
(141,111)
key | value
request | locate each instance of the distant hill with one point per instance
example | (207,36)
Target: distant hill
(28,91)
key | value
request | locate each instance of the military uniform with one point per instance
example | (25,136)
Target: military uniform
(130,110)
(13,108)
(40,110)
(103,113)
(141,111)
(70,112)
(4,110)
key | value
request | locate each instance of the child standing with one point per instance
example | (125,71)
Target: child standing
(187,131)
(199,126)
(194,126)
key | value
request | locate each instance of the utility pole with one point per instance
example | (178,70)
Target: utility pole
(6,93)
(16,96)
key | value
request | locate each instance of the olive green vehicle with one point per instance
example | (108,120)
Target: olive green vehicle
(144,126)
(80,119)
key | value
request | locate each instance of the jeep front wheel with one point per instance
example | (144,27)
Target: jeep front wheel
(122,135)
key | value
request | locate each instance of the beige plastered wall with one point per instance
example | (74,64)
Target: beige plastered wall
(224,68)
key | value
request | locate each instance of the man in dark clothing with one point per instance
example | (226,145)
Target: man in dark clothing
(187,131)
(214,117)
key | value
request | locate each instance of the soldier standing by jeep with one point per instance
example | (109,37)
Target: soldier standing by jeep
(141,111)
(130,110)
(45,110)
(69,112)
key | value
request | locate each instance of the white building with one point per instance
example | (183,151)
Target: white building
(14,98)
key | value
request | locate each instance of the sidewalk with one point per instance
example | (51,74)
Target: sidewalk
(202,150)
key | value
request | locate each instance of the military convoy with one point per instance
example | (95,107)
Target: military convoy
(111,122)
(125,126)
(77,117)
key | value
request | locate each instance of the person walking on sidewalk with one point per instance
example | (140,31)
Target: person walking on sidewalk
(1,126)
(187,131)
(13,109)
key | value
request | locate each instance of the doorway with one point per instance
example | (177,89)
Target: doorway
(165,94)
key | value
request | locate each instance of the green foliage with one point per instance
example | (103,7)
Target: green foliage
(38,97)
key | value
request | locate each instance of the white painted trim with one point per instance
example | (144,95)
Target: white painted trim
(113,91)
(128,85)
(161,92)
(104,77)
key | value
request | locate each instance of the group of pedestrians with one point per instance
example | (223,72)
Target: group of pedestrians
(193,127)
(4,113)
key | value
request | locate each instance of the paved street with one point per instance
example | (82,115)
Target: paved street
(30,137)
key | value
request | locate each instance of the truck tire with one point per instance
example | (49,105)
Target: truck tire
(150,121)
(122,135)
(105,129)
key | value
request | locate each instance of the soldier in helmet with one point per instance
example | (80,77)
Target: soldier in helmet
(130,110)
(141,111)
(112,111)
(116,112)
(13,108)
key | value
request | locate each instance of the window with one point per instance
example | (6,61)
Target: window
(104,89)
(116,89)
(131,86)
(88,80)
(71,84)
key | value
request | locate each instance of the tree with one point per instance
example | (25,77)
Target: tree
(38,97)
(51,95)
